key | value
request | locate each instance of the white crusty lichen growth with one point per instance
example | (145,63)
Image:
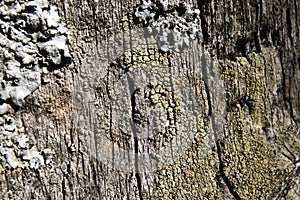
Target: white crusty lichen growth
(16,150)
(33,41)
(173,23)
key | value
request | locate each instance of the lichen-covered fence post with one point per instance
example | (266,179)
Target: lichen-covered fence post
(150,99)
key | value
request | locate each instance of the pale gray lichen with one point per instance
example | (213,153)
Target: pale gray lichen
(31,37)
(4,108)
(173,23)
(15,150)
(33,41)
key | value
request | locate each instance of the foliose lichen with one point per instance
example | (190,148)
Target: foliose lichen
(173,23)
(33,41)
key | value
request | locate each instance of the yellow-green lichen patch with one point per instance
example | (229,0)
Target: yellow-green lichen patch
(246,82)
(256,160)
(193,174)
(251,163)
(190,177)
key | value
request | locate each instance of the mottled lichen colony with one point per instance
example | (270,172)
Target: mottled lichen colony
(148,101)
(252,154)
(173,23)
(250,159)
(253,158)
(33,41)
(192,176)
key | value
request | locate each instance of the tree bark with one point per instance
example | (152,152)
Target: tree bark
(248,150)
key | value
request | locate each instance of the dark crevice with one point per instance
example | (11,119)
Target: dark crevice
(132,92)
(204,25)
(221,165)
(139,185)
(218,141)
(283,91)
(261,28)
(223,175)
(296,20)
(172,86)
(289,25)
(205,79)
(210,113)
(257,43)
(64,192)
(241,45)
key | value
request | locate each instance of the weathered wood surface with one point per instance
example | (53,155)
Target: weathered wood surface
(256,45)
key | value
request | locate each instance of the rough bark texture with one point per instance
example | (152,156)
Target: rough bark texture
(256,44)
